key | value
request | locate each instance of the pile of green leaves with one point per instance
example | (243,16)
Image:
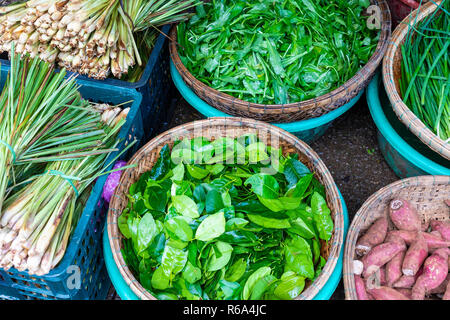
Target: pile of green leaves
(276,52)
(225,231)
(425,67)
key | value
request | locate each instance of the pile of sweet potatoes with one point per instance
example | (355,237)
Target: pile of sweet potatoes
(410,262)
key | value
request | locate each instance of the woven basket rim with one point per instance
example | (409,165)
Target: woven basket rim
(365,211)
(404,114)
(369,68)
(337,240)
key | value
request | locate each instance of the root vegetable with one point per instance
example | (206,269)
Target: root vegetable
(361,289)
(379,256)
(415,256)
(442,287)
(405,292)
(433,240)
(435,270)
(447,292)
(375,235)
(394,267)
(405,282)
(386,293)
(404,216)
(443,227)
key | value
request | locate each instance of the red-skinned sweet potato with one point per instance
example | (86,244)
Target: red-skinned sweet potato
(435,271)
(404,216)
(375,235)
(415,256)
(379,256)
(361,289)
(442,287)
(433,240)
(405,292)
(443,227)
(447,292)
(386,293)
(394,267)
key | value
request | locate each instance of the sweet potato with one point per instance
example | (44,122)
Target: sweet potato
(379,256)
(405,282)
(405,292)
(404,216)
(415,256)
(394,267)
(360,288)
(375,235)
(442,287)
(443,227)
(447,292)
(433,240)
(435,270)
(386,293)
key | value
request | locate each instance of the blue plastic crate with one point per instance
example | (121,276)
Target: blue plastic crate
(84,250)
(154,85)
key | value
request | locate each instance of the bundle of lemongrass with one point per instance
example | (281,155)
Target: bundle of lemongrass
(54,144)
(91,37)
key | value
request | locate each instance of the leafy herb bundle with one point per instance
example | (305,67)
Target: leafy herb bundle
(276,51)
(225,231)
(425,67)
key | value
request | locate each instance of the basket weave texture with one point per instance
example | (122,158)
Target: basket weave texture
(213,128)
(392,73)
(277,113)
(426,193)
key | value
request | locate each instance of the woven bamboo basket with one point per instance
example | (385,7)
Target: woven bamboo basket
(213,128)
(306,109)
(426,193)
(392,73)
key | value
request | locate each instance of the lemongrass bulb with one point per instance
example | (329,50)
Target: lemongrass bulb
(60,34)
(23,37)
(43,7)
(33,262)
(44,37)
(65,20)
(74,26)
(33,38)
(51,32)
(52,9)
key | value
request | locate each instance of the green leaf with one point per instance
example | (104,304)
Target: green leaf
(179,229)
(281,204)
(217,263)
(196,171)
(263,185)
(297,253)
(300,187)
(186,206)
(191,273)
(214,201)
(236,271)
(261,286)
(290,286)
(178,172)
(173,261)
(160,280)
(253,279)
(269,222)
(212,227)
(146,232)
(321,216)
(294,170)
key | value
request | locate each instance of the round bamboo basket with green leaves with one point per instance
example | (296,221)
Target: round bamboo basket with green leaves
(426,193)
(284,113)
(214,128)
(392,74)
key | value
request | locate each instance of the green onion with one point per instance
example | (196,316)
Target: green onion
(425,77)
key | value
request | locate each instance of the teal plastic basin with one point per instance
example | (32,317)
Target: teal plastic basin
(306,130)
(402,150)
(125,293)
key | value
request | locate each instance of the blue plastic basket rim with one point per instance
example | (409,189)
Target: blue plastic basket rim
(121,83)
(393,137)
(81,227)
(296,126)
